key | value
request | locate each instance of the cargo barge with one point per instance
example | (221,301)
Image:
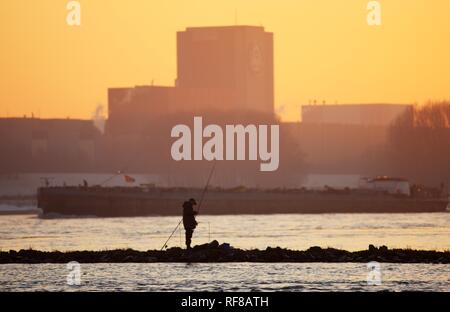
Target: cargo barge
(140,201)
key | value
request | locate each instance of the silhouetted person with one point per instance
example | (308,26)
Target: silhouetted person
(85,183)
(189,220)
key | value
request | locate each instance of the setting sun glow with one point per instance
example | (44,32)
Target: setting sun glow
(324,50)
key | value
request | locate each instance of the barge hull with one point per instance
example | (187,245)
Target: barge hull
(119,202)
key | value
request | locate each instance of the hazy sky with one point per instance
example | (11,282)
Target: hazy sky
(324,50)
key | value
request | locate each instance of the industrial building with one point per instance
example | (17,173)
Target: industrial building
(34,144)
(218,69)
(354,114)
(225,75)
(235,61)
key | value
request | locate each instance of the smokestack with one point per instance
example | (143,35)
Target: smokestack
(98,118)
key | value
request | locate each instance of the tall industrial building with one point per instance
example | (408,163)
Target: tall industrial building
(233,60)
(218,69)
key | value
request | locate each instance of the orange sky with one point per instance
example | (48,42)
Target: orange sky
(324,50)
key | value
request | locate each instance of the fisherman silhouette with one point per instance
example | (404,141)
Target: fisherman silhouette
(189,220)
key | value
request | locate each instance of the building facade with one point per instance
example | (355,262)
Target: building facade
(234,60)
(354,114)
(219,69)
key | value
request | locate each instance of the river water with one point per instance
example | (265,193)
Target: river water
(225,277)
(430,231)
(345,231)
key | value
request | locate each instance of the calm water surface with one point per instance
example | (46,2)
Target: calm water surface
(225,277)
(346,231)
(296,231)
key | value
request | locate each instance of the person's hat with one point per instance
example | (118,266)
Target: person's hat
(193,201)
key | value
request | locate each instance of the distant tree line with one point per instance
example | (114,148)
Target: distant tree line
(418,145)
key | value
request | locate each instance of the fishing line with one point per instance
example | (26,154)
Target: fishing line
(199,205)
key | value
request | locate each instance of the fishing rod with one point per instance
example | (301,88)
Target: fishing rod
(199,205)
(174,230)
(206,186)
